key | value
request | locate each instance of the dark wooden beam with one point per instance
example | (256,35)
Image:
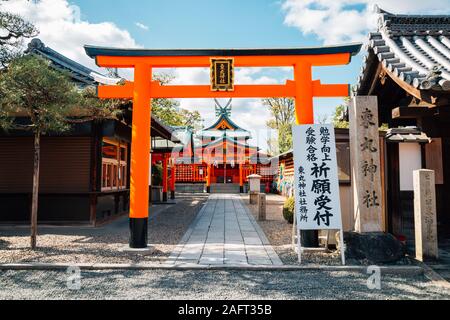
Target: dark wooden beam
(412,112)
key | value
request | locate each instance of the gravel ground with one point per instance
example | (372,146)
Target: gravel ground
(205,285)
(277,230)
(279,233)
(167,225)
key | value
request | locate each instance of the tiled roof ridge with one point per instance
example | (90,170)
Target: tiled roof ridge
(414,52)
(78,71)
(409,16)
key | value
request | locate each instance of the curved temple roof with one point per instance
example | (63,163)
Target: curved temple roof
(78,72)
(413,48)
(94,51)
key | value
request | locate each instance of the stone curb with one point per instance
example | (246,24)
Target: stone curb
(433,276)
(392,270)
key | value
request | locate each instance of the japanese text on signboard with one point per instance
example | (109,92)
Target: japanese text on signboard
(222,74)
(316,179)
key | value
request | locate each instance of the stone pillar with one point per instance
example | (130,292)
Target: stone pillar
(425,224)
(254,181)
(365,163)
(262,207)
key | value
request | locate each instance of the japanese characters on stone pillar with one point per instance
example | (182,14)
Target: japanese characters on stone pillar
(425,215)
(365,162)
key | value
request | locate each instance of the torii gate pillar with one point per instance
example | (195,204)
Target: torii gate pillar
(140,157)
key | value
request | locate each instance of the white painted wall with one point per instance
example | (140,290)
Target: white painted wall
(410,159)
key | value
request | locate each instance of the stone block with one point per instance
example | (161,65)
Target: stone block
(425,222)
(261,207)
(366,168)
(254,197)
(376,247)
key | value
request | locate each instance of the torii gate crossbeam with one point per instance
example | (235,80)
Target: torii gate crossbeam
(303,89)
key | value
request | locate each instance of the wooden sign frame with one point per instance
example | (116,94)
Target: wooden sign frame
(228,65)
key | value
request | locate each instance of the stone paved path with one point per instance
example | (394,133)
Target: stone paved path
(224,232)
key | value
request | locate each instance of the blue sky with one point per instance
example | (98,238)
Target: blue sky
(200,23)
(216,24)
(66,25)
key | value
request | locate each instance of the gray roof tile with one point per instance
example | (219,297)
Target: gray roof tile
(415,48)
(79,73)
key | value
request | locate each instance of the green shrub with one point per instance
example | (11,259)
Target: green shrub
(288,210)
(157,175)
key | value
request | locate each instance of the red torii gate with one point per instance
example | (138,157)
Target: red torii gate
(303,89)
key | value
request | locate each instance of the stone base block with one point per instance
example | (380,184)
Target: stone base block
(141,251)
(376,247)
(254,197)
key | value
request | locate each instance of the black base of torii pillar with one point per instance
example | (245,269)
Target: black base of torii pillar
(138,233)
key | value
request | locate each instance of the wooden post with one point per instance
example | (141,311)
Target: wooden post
(241,179)
(165,177)
(172,181)
(365,155)
(140,156)
(208,178)
(425,223)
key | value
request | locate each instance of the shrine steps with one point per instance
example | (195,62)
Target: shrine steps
(225,188)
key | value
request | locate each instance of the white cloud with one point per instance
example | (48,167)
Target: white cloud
(61,28)
(142,26)
(338,21)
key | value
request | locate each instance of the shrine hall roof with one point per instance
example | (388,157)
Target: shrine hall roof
(230,140)
(79,73)
(226,118)
(414,49)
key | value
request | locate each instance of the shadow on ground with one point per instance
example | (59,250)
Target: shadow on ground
(164,284)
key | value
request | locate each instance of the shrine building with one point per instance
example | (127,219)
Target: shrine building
(219,158)
(407,67)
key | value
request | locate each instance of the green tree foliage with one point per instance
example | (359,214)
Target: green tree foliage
(338,116)
(31,88)
(157,175)
(282,111)
(13,29)
(169,111)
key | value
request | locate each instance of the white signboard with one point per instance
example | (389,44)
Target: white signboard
(317,202)
(316,185)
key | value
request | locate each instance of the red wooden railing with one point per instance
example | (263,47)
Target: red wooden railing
(192,173)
